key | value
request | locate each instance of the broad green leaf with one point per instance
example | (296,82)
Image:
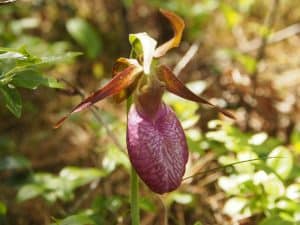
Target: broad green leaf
(80,176)
(283,164)
(273,186)
(13,162)
(275,220)
(2,208)
(85,34)
(78,219)
(12,100)
(29,191)
(143,44)
(32,79)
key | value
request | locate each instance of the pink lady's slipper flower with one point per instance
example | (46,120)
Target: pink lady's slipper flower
(156,142)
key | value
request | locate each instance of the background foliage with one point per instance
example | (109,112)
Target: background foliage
(242,55)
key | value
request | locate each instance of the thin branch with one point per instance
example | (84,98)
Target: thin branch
(95,111)
(203,173)
(278,36)
(268,24)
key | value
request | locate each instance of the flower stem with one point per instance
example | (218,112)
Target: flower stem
(134,198)
(134,187)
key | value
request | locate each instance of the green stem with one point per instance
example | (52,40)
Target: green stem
(134,198)
(134,187)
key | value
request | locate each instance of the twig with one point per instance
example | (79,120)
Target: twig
(268,24)
(278,36)
(203,173)
(95,112)
(186,58)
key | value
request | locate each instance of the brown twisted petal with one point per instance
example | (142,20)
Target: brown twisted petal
(120,65)
(174,85)
(177,26)
(121,81)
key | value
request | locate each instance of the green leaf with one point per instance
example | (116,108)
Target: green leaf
(198,223)
(143,45)
(295,140)
(11,55)
(12,100)
(54,59)
(13,162)
(231,15)
(237,206)
(32,79)
(275,220)
(29,191)
(78,219)
(283,164)
(2,208)
(85,35)
(147,205)
(80,176)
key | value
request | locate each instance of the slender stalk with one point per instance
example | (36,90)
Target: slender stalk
(134,198)
(134,187)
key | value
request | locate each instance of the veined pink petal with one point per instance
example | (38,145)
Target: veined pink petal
(157,148)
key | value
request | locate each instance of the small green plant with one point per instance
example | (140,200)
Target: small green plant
(20,69)
(270,187)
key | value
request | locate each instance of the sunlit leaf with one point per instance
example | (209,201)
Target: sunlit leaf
(237,206)
(293,192)
(86,35)
(273,186)
(183,198)
(231,15)
(12,100)
(283,163)
(29,191)
(113,158)
(54,59)
(275,220)
(80,176)
(295,140)
(11,55)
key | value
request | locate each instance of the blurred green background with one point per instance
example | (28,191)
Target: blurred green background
(243,55)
